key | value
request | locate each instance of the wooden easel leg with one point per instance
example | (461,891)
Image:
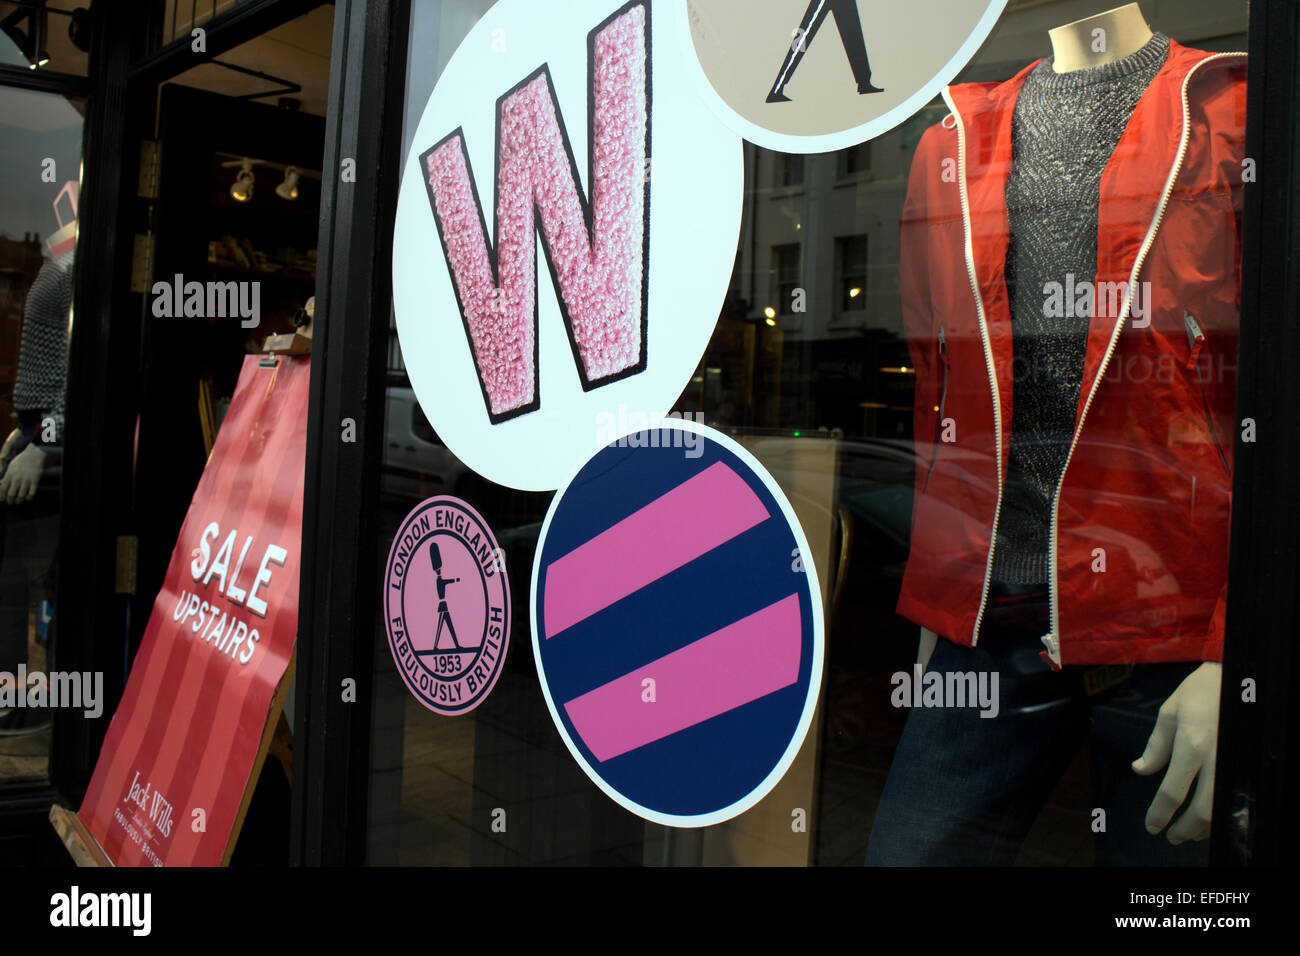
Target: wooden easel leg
(77,839)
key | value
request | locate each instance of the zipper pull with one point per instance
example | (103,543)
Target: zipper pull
(1053,653)
(943,346)
(1195,339)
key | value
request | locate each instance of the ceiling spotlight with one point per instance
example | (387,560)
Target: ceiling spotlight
(30,42)
(40,32)
(289,188)
(242,190)
(79,29)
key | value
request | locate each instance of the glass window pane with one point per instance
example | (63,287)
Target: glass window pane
(1008,442)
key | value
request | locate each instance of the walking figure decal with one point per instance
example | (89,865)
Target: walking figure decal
(849,25)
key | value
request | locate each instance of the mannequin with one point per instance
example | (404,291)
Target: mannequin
(1034,583)
(29,514)
(1074,46)
(42,367)
(1191,730)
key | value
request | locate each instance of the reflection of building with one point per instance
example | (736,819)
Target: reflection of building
(817,274)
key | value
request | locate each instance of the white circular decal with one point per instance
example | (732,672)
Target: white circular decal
(566,232)
(810,76)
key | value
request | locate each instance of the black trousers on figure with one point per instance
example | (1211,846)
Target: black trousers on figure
(849,25)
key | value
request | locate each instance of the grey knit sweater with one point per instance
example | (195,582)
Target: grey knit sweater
(43,356)
(1064,130)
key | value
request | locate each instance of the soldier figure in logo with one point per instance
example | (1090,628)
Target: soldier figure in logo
(444,617)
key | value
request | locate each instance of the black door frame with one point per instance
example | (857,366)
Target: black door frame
(1256,786)
(338,590)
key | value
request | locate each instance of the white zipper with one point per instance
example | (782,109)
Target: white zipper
(1051,640)
(988,350)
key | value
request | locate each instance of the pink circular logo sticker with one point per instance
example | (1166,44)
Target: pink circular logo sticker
(447,605)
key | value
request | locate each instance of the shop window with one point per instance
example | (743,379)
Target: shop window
(881,447)
(786,261)
(787,170)
(851,273)
(854,162)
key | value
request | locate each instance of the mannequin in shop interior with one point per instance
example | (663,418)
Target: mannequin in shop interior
(42,367)
(39,389)
(1075,46)
(1088,463)
(1191,731)
(29,508)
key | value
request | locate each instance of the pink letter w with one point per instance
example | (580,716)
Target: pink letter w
(597,251)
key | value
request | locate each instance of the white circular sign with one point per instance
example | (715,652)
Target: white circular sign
(566,231)
(810,76)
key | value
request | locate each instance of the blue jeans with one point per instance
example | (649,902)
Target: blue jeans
(964,790)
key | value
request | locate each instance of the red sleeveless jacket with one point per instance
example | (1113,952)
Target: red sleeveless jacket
(1138,550)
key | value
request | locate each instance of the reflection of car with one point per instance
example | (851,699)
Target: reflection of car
(875,495)
(872,481)
(875,477)
(416,464)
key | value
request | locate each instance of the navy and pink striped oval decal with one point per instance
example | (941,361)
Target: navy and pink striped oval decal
(677,625)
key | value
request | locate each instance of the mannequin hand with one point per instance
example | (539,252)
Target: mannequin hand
(926,646)
(22,476)
(7,451)
(1186,730)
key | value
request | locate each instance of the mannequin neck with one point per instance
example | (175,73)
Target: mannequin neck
(1078,45)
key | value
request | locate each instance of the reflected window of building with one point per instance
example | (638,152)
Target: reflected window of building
(785,275)
(787,170)
(854,162)
(851,273)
